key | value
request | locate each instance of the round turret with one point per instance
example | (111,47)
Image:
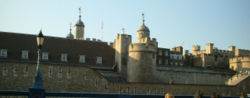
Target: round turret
(70,36)
(143,32)
(79,28)
(141,62)
(79,23)
(143,28)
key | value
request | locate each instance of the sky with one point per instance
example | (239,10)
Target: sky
(171,22)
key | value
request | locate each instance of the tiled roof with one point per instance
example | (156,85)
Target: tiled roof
(15,43)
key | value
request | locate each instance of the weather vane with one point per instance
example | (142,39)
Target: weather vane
(70,27)
(143,20)
(80,13)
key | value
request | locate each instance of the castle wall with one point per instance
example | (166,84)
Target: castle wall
(216,61)
(242,52)
(197,61)
(191,75)
(62,78)
(211,57)
(67,78)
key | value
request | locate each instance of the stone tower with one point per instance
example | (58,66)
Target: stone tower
(142,57)
(195,49)
(79,28)
(121,45)
(209,48)
(70,35)
(231,48)
(178,49)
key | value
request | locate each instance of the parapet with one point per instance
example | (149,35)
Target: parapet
(242,52)
(119,36)
(196,47)
(210,44)
(242,58)
(231,48)
(186,52)
(93,39)
(178,49)
(142,47)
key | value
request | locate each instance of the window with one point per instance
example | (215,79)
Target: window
(96,83)
(15,70)
(4,70)
(60,72)
(85,75)
(160,52)
(171,56)
(68,74)
(82,59)
(45,56)
(166,53)
(50,71)
(180,57)
(3,53)
(99,60)
(25,71)
(175,56)
(159,61)
(25,54)
(166,61)
(64,57)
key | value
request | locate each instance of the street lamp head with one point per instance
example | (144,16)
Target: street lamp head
(40,39)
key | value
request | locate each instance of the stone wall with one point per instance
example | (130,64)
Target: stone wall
(15,76)
(191,75)
(242,52)
(69,78)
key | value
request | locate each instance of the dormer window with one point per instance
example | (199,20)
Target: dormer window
(45,56)
(99,60)
(82,59)
(64,57)
(3,53)
(25,54)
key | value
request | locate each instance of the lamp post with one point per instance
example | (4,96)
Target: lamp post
(37,89)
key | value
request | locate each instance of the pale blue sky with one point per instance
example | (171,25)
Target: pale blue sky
(222,22)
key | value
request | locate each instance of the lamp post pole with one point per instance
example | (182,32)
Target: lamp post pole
(38,78)
(37,90)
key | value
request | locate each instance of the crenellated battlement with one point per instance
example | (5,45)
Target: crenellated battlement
(196,47)
(237,59)
(142,47)
(119,36)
